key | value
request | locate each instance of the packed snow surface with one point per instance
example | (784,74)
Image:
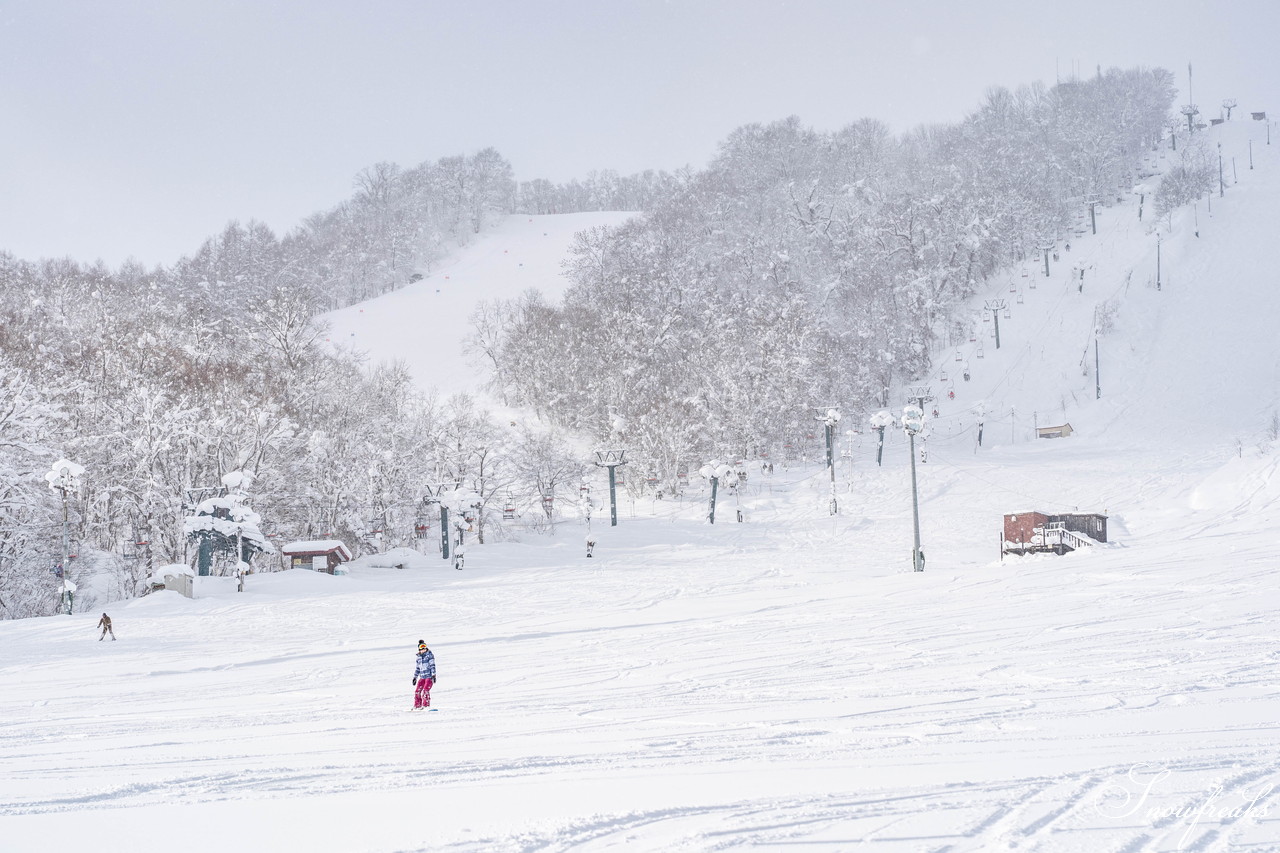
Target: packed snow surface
(780,683)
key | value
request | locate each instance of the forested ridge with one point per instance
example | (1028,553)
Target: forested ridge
(799,268)
(805,268)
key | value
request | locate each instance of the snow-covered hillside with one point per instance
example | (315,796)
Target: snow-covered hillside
(424,323)
(781,683)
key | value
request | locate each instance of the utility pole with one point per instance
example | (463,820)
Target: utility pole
(1046,248)
(1093,216)
(995,306)
(1222,186)
(64,479)
(714,471)
(919,394)
(612,459)
(1097,367)
(240,564)
(830,416)
(879,421)
(913,425)
(1190,111)
(146,543)
(436,495)
(1158,255)
(1190,108)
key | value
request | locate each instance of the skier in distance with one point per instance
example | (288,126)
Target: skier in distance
(105,624)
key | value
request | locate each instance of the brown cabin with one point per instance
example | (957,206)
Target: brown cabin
(1054,431)
(1061,532)
(323,555)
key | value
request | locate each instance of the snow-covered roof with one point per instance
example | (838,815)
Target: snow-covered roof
(239,521)
(317,546)
(171,570)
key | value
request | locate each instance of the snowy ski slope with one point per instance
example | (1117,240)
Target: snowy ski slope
(424,324)
(781,684)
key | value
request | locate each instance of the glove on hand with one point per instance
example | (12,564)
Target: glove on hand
(415,679)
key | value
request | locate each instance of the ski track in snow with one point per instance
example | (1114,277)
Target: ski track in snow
(784,683)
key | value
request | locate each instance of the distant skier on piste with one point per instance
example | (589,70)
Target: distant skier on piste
(424,675)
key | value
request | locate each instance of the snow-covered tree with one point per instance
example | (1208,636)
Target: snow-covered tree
(225,530)
(29,519)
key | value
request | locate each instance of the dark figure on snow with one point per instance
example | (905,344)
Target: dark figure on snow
(424,675)
(105,624)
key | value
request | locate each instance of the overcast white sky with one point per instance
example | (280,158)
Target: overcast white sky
(141,127)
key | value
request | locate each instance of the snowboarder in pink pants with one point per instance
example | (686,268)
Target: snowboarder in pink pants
(424,676)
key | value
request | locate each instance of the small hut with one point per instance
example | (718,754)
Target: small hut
(322,555)
(176,577)
(1054,431)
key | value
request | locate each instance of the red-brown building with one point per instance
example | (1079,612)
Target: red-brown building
(323,555)
(1021,527)
(1061,532)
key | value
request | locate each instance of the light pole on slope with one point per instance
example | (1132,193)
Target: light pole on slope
(830,416)
(64,479)
(913,425)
